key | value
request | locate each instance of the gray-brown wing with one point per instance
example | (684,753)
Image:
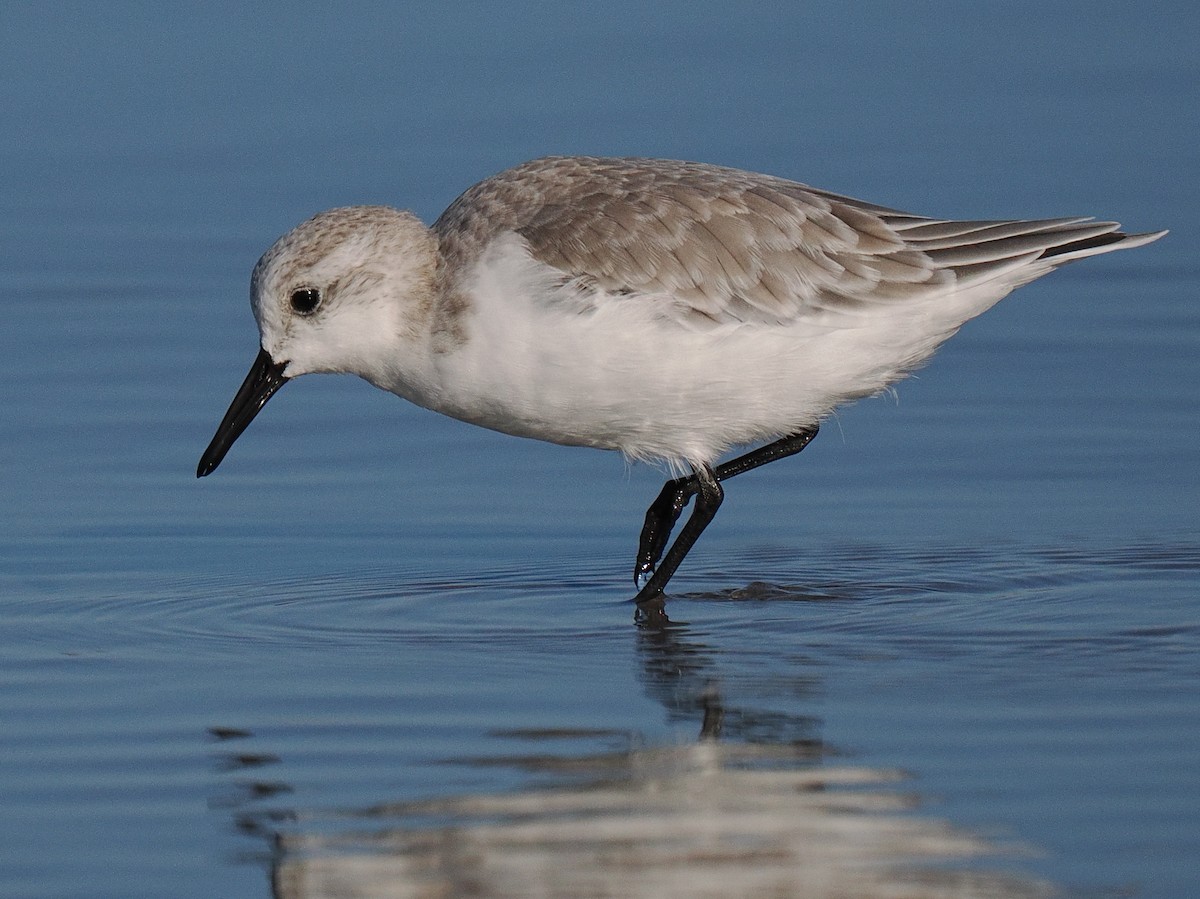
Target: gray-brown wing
(729,245)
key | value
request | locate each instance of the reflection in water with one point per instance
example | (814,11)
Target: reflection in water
(699,820)
(747,809)
(681,674)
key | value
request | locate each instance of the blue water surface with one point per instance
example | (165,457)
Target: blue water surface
(988,580)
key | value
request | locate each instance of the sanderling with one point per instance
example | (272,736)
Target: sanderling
(669,310)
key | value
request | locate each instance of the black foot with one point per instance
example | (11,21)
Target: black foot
(651,614)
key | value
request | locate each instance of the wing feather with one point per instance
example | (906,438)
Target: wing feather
(726,245)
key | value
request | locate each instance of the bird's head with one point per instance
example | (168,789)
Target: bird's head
(334,294)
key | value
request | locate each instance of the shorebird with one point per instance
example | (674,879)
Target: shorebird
(669,310)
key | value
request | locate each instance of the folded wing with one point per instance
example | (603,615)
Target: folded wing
(723,245)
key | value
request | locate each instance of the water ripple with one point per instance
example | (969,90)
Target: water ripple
(947,600)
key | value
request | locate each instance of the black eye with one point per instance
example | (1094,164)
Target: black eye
(305,300)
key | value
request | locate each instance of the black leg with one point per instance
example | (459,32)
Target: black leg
(666,509)
(660,521)
(708,494)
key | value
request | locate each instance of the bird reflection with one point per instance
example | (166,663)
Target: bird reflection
(749,807)
(683,674)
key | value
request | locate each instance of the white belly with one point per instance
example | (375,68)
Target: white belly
(615,372)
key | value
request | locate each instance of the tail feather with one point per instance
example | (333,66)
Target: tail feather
(974,248)
(1102,243)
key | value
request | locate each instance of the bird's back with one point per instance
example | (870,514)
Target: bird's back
(728,245)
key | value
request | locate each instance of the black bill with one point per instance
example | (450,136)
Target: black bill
(266,376)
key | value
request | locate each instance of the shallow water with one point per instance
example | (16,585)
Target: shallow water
(383,651)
